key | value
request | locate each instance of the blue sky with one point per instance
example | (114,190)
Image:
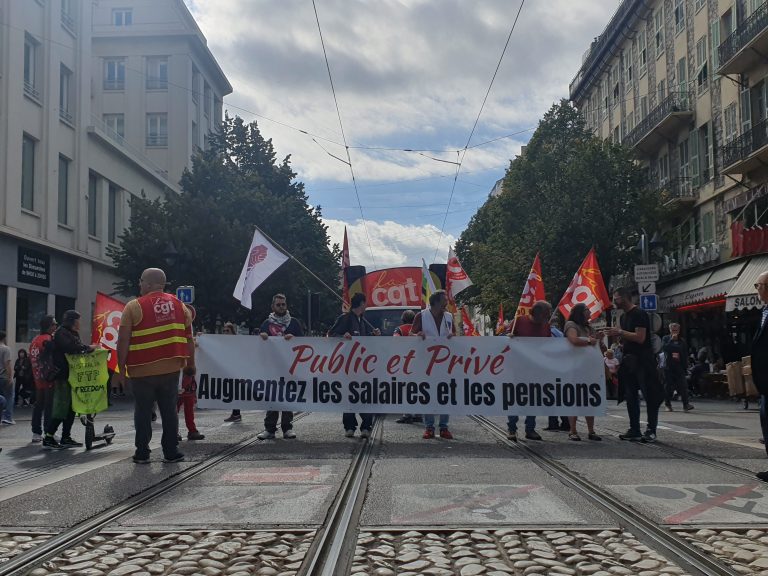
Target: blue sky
(407,74)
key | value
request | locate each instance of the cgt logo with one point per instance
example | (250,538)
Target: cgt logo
(397,295)
(163,307)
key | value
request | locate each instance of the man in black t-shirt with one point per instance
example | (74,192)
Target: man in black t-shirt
(637,371)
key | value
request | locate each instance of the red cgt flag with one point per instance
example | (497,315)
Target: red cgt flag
(106,320)
(344,266)
(469,327)
(587,287)
(533,290)
(500,322)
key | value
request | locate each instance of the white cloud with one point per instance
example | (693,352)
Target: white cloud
(393,244)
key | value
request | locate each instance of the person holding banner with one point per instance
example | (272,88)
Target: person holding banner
(637,371)
(435,322)
(235,416)
(41,413)
(279,323)
(353,323)
(579,333)
(154,343)
(406,325)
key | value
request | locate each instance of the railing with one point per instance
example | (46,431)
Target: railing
(112,84)
(675,102)
(740,148)
(157,83)
(680,189)
(68,21)
(29,90)
(157,140)
(744,34)
(66,116)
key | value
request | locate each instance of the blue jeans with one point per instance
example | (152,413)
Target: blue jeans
(429,421)
(6,389)
(530,423)
(350,421)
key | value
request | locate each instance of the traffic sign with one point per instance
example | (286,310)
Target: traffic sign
(646,272)
(186,294)
(646,288)
(648,302)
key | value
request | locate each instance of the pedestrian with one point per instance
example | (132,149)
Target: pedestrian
(6,384)
(675,353)
(637,371)
(534,326)
(579,333)
(435,322)
(154,343)
(41,413)
(353,323)
(22,376)
(759,362)
(555,423)
(187,400)
(406,324)
(66,340)
(612,372)
(235,416)
(279,323)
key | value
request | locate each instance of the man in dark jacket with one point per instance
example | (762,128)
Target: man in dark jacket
(760,360)
(66,340)
(279,323)
(353,323)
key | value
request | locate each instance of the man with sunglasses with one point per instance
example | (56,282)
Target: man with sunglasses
(279,323)
(759,362)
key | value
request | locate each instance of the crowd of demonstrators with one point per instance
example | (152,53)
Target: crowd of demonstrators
(353,323)
(41,413)
(24,388)
(435,322)
(405,328)
(674,353)
(279,323)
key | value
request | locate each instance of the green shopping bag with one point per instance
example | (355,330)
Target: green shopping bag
(88,378)
(62,400)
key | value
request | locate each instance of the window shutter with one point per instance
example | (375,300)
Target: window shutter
(693,139)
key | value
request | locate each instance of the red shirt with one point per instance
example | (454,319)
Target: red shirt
(34,352)
(524,326)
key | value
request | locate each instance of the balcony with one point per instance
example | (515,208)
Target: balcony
(747,152)
(157,140)
(747,45)
(114,84)
(661,125)
(66,117)
(31,91)
(679,193)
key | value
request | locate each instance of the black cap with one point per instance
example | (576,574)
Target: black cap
(69,317)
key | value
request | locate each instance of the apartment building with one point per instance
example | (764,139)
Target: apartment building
(99,101)
(682,83)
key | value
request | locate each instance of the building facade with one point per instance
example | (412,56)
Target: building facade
(682,84)
(99,101)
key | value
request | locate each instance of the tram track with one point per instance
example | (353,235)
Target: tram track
(646,529)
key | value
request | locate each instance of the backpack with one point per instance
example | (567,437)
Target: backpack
(49,371)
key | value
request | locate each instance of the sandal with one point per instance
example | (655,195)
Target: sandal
(574,436)
(594,436)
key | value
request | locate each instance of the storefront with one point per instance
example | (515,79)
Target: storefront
(742,305)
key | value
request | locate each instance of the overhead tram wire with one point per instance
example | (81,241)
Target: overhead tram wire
(343,135)
(474,126)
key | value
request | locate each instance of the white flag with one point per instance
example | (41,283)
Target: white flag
(456,279)
(262,260)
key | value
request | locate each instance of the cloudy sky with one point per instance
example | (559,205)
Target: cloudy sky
(408,75)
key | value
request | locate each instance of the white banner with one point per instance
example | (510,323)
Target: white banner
(465,375)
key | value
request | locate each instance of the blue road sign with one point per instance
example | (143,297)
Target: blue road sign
(648,302)
(186,294)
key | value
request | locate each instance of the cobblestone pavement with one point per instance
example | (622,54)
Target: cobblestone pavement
(746,551)
(14,544)
(507,552)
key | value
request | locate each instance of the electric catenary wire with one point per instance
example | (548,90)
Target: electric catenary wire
(343,136)
(463,153)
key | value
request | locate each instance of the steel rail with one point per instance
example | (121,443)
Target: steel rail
(663,540)
(83,530)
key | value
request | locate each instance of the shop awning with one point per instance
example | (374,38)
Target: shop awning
(742,294)
(701,287)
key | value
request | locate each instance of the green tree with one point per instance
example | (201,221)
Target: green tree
(234,186)
(568,191)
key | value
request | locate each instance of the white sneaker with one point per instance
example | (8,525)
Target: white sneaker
(289,434)
(37,438)
(365,433)
(349,433)
(266,435)
(9,422)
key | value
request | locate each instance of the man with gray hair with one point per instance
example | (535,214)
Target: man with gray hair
(675,352)
(759,364)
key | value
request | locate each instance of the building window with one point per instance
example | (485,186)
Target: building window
(628,70)
(30,307)
(715,43)
(630,122)
(658,26)
(195,135)
(684,172)
(615,84)
(93,205)
(616,136)
(31,67)
(28,173)
(708,227)
(730,121)
(699,4)
(207,100)
(679,16)
(157,73)
(642,53)
(663,169)
(112,215)
(705,169)
(217,109)
(122,17)
(702,57)
(68,14)
(682,76)
(65,94)
(661,90)
(643,107)
(195,84)
(115,124)
(63,190)
(745,102)
(114,74)
(157,129)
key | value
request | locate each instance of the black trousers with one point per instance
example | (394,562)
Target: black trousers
(41,413)
(163,389)
(270,421)
(53,423)
(675,381)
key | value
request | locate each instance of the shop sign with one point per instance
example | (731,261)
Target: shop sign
(744,302)
(741,200)
(695,296)
(34,267)
(691,257)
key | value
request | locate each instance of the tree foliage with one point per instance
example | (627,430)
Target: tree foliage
(234,186)
(567,192)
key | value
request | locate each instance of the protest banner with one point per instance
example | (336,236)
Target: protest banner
(88,377)
(106,321)
(482,375)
